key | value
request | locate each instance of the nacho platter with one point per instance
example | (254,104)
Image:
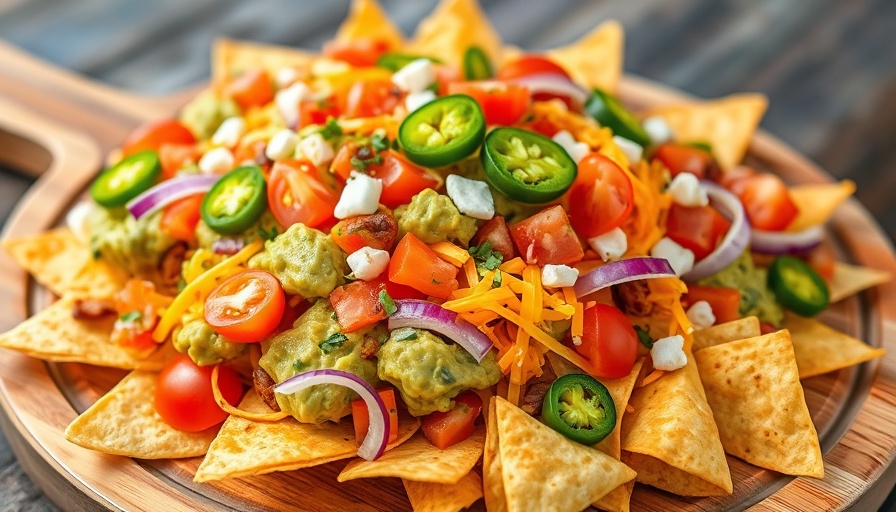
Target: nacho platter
(835,400)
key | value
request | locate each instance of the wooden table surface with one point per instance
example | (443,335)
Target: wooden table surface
(828,67)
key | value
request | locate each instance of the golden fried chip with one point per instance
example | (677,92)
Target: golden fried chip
(543,470)
(230,58)
(492,470)
(420,461)
(54,335)
(820,349)
(124,422)
(62,263)
(430,497)
(595,60)
(852,279)
(451,28)
(727,124)
(729,331)
(671,437)
(366,19)
(817,202)
(753,388)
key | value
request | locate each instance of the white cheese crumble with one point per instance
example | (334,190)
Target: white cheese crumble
(288,101)
(701,316)
(76,220)
(471,197)
(216,161)
(361,196)
(416,100)
(281,145)
(229,132)
(681,259)
(610,246)
(316,149)
(631,150)
(686,190)
(576,150)
(558,276)
(368,263)
(658,130)
(668,354)
(416,76)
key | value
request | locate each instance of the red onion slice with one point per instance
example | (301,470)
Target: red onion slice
(553,83)
(228,246)
(736,239)
(169,191)
(622,271)
(378,430)
(426,315)
(784,242)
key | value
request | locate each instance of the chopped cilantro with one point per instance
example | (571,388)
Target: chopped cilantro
(268,234)
(332,342)
(644,336)
(379,141)
(388,304)
(331,129)
(496,281)
(486,259)
(446,376)
(404,334)
(360,162)
(131,317)
(299,365)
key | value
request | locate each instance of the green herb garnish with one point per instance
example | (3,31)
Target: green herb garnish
(644,336)
(332,342)
(388,304)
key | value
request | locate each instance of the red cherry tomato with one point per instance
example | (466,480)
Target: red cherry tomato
(360,52)
(402,180)
(444,429)
(371,98)
(609,341)
(155,133)
(184,397)
(601,198)
(678,159)
(530,65)
(297,193)
(698,228)
(766,200)
(179,219)
(246,307)
(502,103)
(251,89)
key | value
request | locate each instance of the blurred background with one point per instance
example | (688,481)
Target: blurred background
(828,67)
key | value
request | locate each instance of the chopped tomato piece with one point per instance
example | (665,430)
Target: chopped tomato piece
(679,158)
(543,126)
(445,76)
(252,152)
(402,180)
(318,111)
(179,219)
(297,192)
(253,88)
(601,197)
(361,415)
(360,52)
(725,302)
(444,429)
(502,103)
(399,291)
(175,157)
(547,237)
(698,228)
(138,309)
(823,261)
(377,230)
(531,65)
(416,265)
(767,328)
(495,230)
(609,341)
(371,98)
(342,163)
(153,134)
(358,305)
(246,307)
(766,199)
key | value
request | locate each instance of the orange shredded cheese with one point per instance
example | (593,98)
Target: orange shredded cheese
(578,317)
(654,375)
(451,253)
(629,409)
(471,272)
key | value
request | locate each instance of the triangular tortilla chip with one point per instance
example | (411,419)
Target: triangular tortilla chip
(542,470)
(451,28)
(595,60)
(852,279)
(245,447)
(727,124)
(816,202)
(230,58)
(492,469)
(820,349)
(54,335)
(753,388)
(62,263)
(366,19)
(420,461)
(729,331)
(430,497)
(124,422)
(672,439)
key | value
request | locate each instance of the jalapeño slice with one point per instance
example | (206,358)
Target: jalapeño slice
(607,111)
(394,61)
(798,287)
(476,64)
(126,180)
(443,131)
(526,166)
(236,201)
(580,408)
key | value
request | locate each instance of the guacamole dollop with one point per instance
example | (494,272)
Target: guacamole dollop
(432,218)
(429,372)
(198,340)
(316,342)
(137,246)
(265,227)
(304,260)
(206,112)
(756,299)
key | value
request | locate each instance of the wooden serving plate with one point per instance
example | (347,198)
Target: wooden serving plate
(59,126)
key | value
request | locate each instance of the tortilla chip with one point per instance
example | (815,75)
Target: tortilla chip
(753,388)
(366,19)
(245,447)
(230,58)
(124,422)
(595,60)
(820,349)
(542,470)
(420,461)
(451,28)
(430,497)
(54,335)
(59,261)
(727,124)
(852,279)
(817,202)
(729,331)
(672,439)
(492,469)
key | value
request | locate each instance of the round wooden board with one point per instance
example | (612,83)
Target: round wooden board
(60,126)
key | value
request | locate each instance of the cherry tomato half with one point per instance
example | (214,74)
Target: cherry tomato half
(297,193)
(601,198)
(246,307)
(766,200)
(184,397)
(153,134)
(609,341)
(530,65)
(502,103)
